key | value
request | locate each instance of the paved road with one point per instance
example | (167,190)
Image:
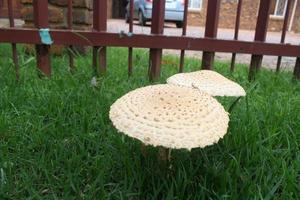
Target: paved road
(245,35)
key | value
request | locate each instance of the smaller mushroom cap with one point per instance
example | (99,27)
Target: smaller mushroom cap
(170,116)
(208,81)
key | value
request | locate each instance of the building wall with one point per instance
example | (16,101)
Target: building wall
(109,8)
(57,13)
(4,8)
(83,14)
(197,17)
(296,23)
(248,16)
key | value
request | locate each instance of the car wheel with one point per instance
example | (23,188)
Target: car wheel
(142,20)
(179,24)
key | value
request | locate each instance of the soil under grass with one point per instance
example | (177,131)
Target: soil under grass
(57,142)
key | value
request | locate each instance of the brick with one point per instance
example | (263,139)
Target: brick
(196,18)
(26,1)
(228,15)
(27,13)
(296,23)
(76,3)
(55,14)
(82,16)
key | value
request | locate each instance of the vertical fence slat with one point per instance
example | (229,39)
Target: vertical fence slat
(130,30)
(40,8)
(70,26)
(236,31)
(99,24)
(10,13)
(260,35)
(211,29)
(284,29)
(182,53)
(70,14)
(13,45)
(157,27)
(297,69)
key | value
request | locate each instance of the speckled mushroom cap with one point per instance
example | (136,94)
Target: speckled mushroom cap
(208,81)
(170,116)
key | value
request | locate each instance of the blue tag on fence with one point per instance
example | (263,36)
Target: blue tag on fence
(45,36)
(129,34)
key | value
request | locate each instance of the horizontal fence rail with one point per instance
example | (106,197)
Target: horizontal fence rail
(99,38)
(86,38)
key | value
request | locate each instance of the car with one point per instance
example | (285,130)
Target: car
(174,11)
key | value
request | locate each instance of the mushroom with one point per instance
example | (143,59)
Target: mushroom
(170,116)
(208,81)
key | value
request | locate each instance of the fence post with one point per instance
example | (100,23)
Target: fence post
(211,29)
(40,9)
(157,27)
(182,52)
(297,69)
(70,26)
(284,29)
(260,35)
(13,45)
(236,31)
(130,49)
(99,24)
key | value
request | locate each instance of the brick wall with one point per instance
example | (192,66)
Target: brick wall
(109,9)
(248,16)
(296,23)
(197,17)
(82,17)
(82,13)
(228,17)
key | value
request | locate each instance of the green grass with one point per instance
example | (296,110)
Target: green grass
(57,142)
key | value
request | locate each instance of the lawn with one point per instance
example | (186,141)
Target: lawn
(57,142)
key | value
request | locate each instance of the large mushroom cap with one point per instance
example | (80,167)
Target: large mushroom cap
(208,81)
(170,116)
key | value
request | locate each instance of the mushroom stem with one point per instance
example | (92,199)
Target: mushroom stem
(164,154)
(144,150)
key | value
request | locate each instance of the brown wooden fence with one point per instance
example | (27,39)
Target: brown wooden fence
(99,38)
